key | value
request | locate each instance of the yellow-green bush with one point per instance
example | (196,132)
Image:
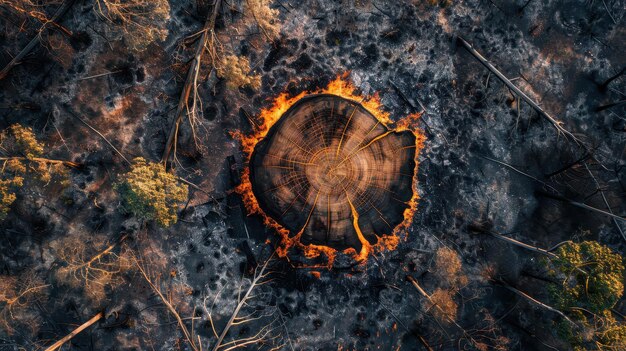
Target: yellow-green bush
(150,192)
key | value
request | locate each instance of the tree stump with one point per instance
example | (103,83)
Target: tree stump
(331,171)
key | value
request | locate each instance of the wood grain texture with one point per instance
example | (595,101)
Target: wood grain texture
(325,162)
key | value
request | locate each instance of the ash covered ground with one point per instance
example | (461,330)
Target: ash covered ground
(562,54)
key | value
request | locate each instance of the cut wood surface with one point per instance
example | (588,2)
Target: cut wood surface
(330,171)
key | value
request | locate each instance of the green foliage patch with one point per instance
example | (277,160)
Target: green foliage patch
(150,192)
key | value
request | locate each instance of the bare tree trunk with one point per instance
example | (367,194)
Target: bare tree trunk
(76,331)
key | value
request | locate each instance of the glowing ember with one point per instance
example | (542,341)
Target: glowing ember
(331,175)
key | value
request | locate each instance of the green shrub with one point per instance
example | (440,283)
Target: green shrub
(150,192)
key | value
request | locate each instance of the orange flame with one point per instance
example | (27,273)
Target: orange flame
(342,87)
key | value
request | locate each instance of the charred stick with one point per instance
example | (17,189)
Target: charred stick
(555,194)
(578,204)
(520,172)
(75,332)
(101,136)
(563,169)
(613,104)
(606,202)
(535,301)
(513,241)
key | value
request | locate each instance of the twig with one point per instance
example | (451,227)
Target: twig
(556,194)
(520,172)
(60,12)
(260,274)
(515,242)
(565,168)
(579,204)
(606,202)
(75,332)
(515,89)
(171,309)
(609,12)
(535,301)
(101,136)
(100,75)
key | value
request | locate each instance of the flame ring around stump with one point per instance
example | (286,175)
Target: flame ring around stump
(332,174)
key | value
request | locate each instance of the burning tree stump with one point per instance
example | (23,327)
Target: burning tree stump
(332,174)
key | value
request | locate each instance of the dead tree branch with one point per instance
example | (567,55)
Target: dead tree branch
(555,194)
(478,228)
(536,302)
(191,81)
(579,204)
(196,346)
(60,12)
(101,136)
(606,202)
(259,276)
(75,332)
(557,124)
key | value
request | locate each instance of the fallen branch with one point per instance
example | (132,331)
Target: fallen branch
(157,290)
(613,104)
(606,202)
(259,275)
(101,136)
(517,91)
(609,12)
(536,249)
(60,12)
(579,204)
(535,301)
(427,296)
(42,160)
(556,195)
(568,166)
(520,172)
(76,331)
(191,81)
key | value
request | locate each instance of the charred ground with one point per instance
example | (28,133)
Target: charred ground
(86,71)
